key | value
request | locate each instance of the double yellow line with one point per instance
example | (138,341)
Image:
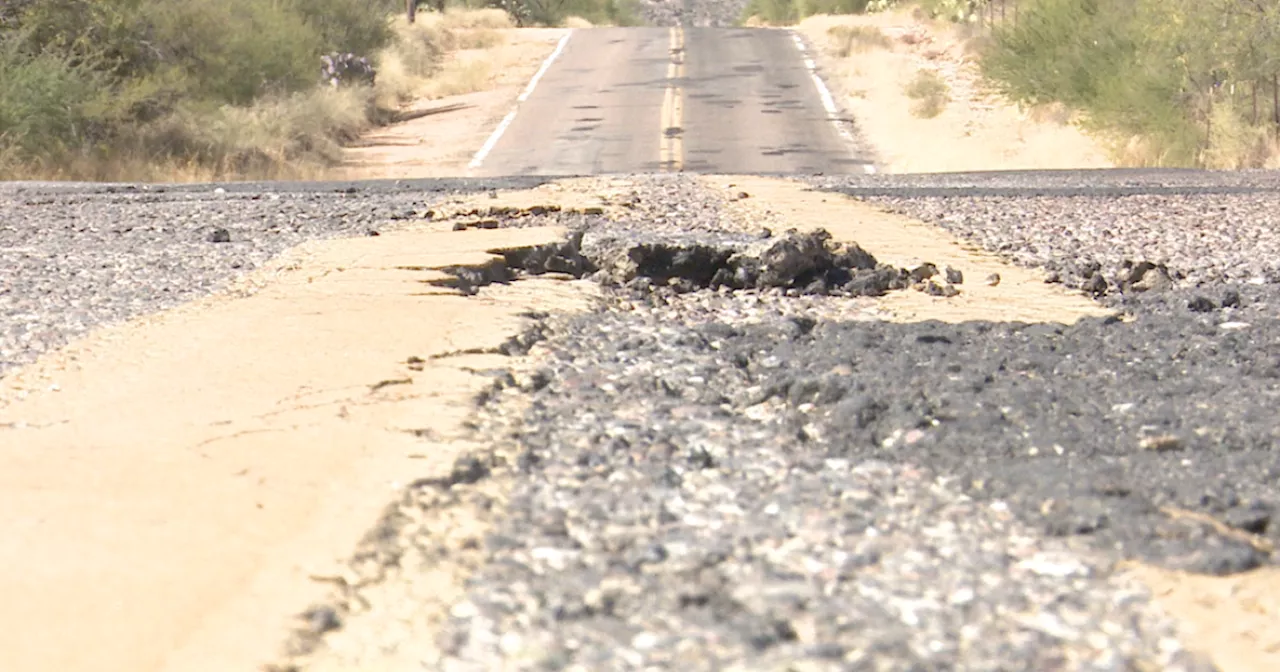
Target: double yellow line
(671,151)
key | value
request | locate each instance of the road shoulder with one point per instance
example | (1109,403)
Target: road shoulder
(182,478)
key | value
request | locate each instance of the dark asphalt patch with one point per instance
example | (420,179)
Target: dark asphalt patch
(1108,431)
(690,493)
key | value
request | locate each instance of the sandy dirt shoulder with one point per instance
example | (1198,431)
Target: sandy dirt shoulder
(977,130)
(172,485)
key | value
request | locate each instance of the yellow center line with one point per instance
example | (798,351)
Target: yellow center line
(671,148)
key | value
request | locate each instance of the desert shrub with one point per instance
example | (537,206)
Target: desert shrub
(236,50)
(357,26)
(1173,82)
(111,88)
(268,139)
(848,40)
(929,92)
(48,102)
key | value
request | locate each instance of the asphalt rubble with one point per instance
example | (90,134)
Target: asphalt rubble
(733,465)
(793,262)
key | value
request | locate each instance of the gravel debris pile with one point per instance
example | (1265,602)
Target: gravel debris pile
(797,263)
(1124,234)
(734,465)
(656,521)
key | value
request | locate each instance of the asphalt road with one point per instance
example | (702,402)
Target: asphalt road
(708,100)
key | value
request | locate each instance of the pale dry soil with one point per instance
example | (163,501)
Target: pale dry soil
(189,481)
(173,485)
(442,144)
(977,130)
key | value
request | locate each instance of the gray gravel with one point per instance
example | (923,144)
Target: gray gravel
(73,257)
(701,14)
(657,522)
(769,478)
(1204,228)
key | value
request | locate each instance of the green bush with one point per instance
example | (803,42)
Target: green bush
(235,50)
(1169,72)
(1065,50)
(360,27)
(75,75)
(48,102)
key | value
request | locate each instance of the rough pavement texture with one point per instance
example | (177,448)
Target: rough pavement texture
(76,257)
(661,516)
(763,479)
(1125,233)
(711,477)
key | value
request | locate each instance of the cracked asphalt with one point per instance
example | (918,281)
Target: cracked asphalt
(714,474)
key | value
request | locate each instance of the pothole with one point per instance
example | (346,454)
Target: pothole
(798,263)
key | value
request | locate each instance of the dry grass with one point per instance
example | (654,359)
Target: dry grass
(302,135)
(281,137)
(930,93)
(1050,113)
(284,137)
(1136,151)
(847,40)
(418,65)
(978,130)
(459,77)
(1272,161)
(1235,144)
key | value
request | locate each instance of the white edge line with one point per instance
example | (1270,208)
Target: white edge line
(524,95)
(828,102)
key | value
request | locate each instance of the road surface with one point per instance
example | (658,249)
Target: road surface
(679,478)
(708,100)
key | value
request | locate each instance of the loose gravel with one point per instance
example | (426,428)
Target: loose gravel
(657,522)
(706,14)
(74,258)
(748,475)
(1124,233)
(710,477)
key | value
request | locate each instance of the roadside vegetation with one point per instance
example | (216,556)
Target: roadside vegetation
(848,40)
(930,94)
(179,90)
(1175,82)
(1191,83)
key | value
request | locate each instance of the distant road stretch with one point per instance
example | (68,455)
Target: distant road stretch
(709,100)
